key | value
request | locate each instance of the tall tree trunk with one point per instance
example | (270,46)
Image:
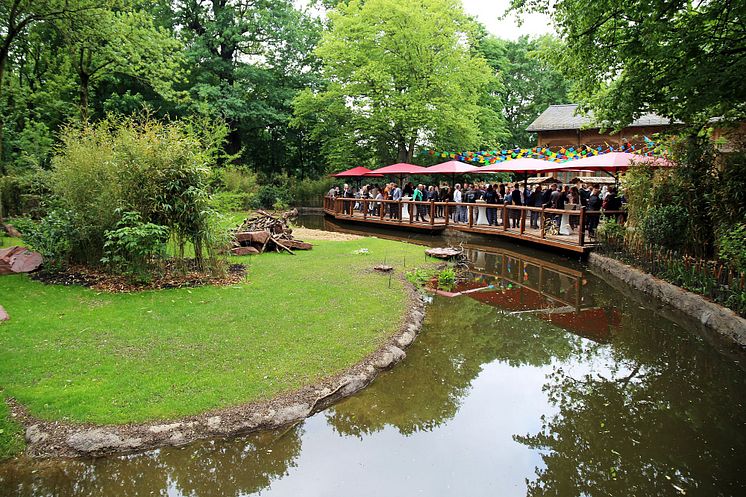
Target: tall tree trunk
(85,80)
(3,59)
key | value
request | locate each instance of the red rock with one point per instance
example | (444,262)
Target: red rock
(3,315)
(18,260)
(258,237)
(244,251)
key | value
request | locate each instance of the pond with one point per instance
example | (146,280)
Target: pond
(550,381)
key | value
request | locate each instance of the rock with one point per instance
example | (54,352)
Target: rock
(352,384)
(213,423)
(291,413)
(244,251)
(258,237)
(12,231)
(35,435)
(101,440)
(177,439)
(18,260)
(445,252)
(383,268)
(406,339)
(164,428)
(390,356)
(297,245)
(3,315)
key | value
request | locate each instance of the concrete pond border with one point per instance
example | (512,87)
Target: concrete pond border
(46,439)
(709,315)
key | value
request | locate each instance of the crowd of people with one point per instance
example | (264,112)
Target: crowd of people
(555,196)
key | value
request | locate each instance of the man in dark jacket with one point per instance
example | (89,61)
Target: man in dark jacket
(536,200)
(594,205)
(516,199)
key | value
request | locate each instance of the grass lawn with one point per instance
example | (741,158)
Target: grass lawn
(69,353)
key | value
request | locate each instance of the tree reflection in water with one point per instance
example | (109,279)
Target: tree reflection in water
(210,468)
(458,338)
(647,420)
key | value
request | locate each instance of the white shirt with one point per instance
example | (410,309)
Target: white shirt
(457,196)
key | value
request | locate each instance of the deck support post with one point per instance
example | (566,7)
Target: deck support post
(543,222)
(523,220)
(432,213)
(471,216)
(581,227)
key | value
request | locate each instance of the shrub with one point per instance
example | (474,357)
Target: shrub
(137,164)
(231,201)
(269,195)
(53,238)
(732,247)
(238,180)
(666,226)
(610,232)
(134,246)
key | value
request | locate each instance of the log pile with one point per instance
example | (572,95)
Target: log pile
(265,232)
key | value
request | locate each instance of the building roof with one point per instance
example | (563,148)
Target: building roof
(558,117)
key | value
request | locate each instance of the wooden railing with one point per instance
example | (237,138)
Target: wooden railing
(542,222)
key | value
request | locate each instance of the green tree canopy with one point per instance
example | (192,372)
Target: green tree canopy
(683,60)
(531,81)
(399,76)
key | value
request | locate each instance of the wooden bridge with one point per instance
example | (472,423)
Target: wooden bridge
(555,228)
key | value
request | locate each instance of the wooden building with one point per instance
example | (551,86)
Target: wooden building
(559,126)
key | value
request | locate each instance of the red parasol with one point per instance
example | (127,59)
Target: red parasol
(357,172)
(452,167)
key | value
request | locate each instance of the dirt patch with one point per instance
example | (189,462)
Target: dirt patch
(306,233)
(62,439)
(187,275)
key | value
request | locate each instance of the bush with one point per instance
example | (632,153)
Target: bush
(53,238)
(136,164)
(732,247)
(231,201)
(666,226)
(270,195)
(134,247)
(610,232)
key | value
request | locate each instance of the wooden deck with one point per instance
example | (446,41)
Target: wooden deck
(403,215)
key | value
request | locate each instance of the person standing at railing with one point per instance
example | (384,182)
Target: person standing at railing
(490,196)
(460,213)
(594,205)
(396,195)
(515,198)
(347,205)
(418,196)
(536,200)
(443,197)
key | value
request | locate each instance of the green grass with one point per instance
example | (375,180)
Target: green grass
(11,434)
(69,353)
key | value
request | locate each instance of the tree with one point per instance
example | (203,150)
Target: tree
(530,80)
(399,76)
(123,42)
(249,58)
(682,60)
(17,17)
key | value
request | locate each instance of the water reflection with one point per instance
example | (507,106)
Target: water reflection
(550,383)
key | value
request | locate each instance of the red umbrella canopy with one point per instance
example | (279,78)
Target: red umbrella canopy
(401,168)
(452,167)
(523,165)
(355,172)
(612,162)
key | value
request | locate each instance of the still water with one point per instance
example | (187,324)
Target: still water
(549,382)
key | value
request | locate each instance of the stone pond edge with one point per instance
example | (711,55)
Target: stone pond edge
(46,439)
(710,315)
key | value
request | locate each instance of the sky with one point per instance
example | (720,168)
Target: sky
(488,12)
